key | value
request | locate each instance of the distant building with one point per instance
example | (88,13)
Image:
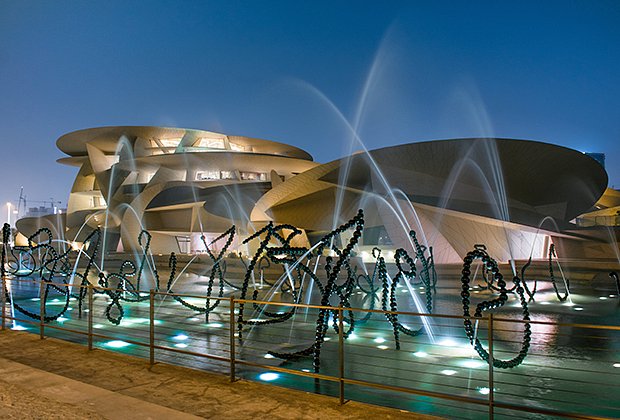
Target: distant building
(43,211)
(599,157)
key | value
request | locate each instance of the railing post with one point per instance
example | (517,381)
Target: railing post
(3,301)
(341,353)
(491,396)
(90,315)
(42,309)
(152,327)
(232,338)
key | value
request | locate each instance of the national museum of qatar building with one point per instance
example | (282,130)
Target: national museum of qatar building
(515,196)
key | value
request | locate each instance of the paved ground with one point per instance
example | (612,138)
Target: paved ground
(53,379)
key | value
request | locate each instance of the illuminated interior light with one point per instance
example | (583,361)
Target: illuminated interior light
(545,303)
(62,319)
(268,376)
(117,344)
(420,354)
(603,298)
(180,345)
(448,372)
(194,319)
(268,356)
(214,325)
(578,308)
(352,336)
(305,370)
(383,347)
(22,328)
(616,365)
(379,340)
(484,391)
(327,339)
(98,326)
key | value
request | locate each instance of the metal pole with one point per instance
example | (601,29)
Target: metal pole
(90,316)
(3,301)
(341,353)
(491,396)
(42,309)
(232,339)
(152,327)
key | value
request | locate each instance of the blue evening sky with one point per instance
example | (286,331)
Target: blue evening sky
(284,70)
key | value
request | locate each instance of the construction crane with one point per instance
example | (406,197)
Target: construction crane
(22,199)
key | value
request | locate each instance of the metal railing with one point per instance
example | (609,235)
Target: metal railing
(231,354)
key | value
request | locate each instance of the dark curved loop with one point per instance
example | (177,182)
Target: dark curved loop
(489,263)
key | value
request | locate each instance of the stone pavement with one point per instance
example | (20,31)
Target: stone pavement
(53,379)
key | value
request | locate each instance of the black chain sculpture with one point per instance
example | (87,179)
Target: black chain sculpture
(119,286)
(218,269)
(552,254)
(47,268)
(480,253)
(370,294)
(6,235)
(270,233)
(342,291)
(427,278)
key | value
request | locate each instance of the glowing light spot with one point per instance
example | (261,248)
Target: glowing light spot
(568,304)
(180,345)
(19,328)
(305,370)
(448,372)
(352,336)
(35,299)
(214,325)
(268,356)
(545,303)
(484,391)
(268,376)
(603,298)
(98,326)
(420,354)
(382,347)
(379,340)
(612,296)
(472,364)
(616,365)
(180,337)
(62,319)
(448,342)
(56,300)
(117,344)
(327,339)
(578,308)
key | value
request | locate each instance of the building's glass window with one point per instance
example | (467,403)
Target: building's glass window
(98,201)
(207,175)
(228,175)
(210,143)
(254,176)
(237,147)
(170,142)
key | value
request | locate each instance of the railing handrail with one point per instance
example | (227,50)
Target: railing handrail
(341,378)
